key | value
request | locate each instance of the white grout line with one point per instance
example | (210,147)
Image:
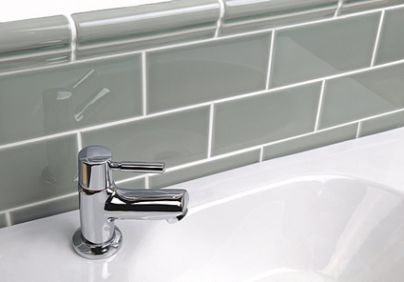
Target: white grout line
(159,114)
(339,7)
(130,179)
(377,40)
(320,105)
(37,139)
(270,56)
(280,17)
(201,41)
(344,74)
(73,43)
(9,222)
(221,16)
(144,84)
(210,134)
(358,130)
(217,157)
(172,111)
(40,202)
(261,153)
(79,141)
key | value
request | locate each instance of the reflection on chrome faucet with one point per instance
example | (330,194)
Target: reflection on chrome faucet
(101,202)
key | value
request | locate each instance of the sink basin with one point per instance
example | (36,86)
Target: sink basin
(331,214)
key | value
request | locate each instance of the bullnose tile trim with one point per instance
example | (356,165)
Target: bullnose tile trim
(38,41)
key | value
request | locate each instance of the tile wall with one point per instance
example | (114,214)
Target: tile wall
(204,85)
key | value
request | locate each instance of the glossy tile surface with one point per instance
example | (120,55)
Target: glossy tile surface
(244,15)
(36,103)
(45,209)
(309,142)
(323,49)
(175,138)
(391,45)
(352,6)
(139,26)
(38,171)
(380,124)
(47,89)
(264,118)
(3,221)
(132,184)
(34,41)
(40,33)
(363,95)
(201,170)
(204,72)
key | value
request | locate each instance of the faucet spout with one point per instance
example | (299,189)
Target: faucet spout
(101,202)
(144,204)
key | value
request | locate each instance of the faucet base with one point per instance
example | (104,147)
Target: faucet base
(89,250)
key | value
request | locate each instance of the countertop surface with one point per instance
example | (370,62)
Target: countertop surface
(312,216)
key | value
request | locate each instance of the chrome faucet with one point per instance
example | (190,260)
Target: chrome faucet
(101,202)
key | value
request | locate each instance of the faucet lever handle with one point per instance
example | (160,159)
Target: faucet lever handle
(138,167)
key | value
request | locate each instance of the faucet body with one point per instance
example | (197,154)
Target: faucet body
(101,202)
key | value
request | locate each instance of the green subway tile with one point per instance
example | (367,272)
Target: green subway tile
(354,6)
(204,72)
(38,171)
(323,49)
(40,102)
(379,124)
(204,169)
(362,95)
(391,46)
(45,209)
(3,221)
(34,42)
(139,183)
(145,25)
(309,142)
(249,15)
(264,118)
(174,138)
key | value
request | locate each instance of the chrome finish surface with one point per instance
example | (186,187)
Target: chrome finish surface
(140,167)
(89,250)
(101,202)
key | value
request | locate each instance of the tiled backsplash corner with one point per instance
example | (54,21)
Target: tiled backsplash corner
(204,85)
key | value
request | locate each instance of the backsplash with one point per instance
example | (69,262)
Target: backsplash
(204,85)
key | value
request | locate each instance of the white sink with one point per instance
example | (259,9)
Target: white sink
(331,214)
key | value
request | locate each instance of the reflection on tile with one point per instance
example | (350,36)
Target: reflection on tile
(46,209)
(353,6)
(391,46)
(363,95)
(323,49)
(204,72)
(37,41)
(204,169)
(309,142)
(41,102)
(175,138)
(380,124)
(139,183)
(38,171)
(264,118)
(247,15)
(144,26)
(3,221)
